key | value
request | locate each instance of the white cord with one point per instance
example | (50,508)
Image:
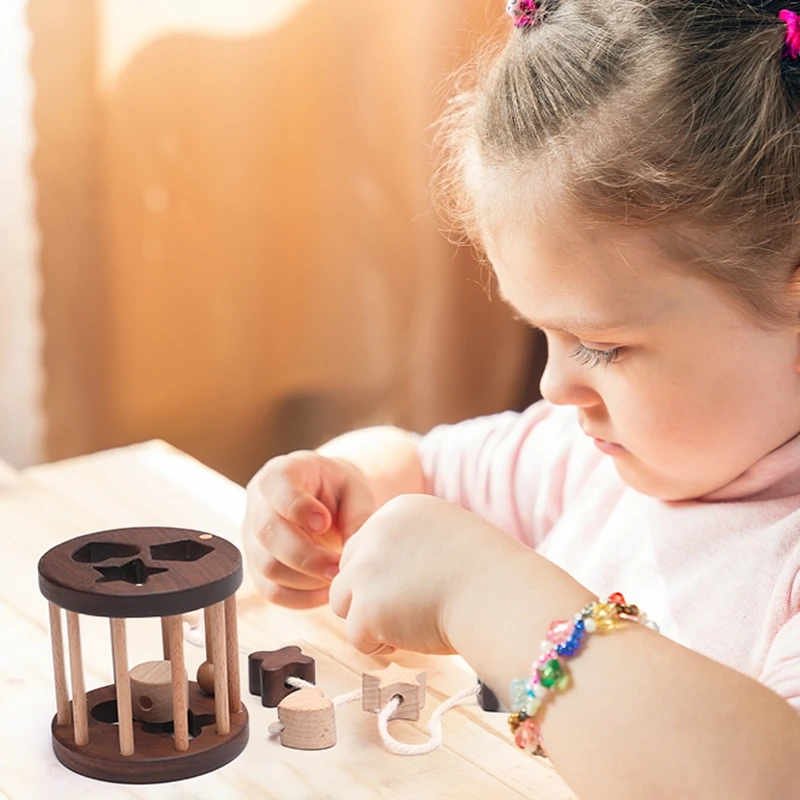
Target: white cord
(193,634)
(434,726)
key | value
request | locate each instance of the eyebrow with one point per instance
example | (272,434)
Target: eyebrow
(581,323)
(578,324)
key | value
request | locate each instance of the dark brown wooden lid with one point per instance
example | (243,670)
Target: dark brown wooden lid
(140,572)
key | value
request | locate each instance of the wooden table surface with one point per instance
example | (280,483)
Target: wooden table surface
(154,484)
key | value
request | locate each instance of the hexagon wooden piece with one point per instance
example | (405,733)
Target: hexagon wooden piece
(269,669)
(309,720)
(380,686)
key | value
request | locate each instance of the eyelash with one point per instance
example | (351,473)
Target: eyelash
(595,358)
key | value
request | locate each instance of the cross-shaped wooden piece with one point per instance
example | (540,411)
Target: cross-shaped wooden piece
(381,685)
(269,669)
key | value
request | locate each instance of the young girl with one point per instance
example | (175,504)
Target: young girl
(632,170)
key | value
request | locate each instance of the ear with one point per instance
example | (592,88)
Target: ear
(793,290)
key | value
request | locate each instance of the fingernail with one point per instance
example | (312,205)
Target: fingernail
(331,572)
(316,522)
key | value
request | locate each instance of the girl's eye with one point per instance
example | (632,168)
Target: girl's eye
(595,358)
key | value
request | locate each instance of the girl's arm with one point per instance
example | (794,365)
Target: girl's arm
(644,717)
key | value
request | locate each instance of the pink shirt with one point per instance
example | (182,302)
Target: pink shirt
(720,575)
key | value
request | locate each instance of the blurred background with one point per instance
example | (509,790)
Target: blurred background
(216,228)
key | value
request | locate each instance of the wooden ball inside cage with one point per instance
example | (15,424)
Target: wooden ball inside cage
(146,572)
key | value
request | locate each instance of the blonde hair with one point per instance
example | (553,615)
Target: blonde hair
(679,115)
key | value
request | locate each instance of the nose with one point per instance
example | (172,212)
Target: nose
(564,381)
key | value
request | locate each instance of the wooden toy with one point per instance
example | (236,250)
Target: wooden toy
(269,669)
(205,677)
(380,686)
(151,691)
(309,720)
(146,572)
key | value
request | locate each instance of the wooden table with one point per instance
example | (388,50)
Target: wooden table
(154,484)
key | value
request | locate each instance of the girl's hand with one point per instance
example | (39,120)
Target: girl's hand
(410,563)
(301,509)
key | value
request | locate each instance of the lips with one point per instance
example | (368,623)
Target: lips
(609,448)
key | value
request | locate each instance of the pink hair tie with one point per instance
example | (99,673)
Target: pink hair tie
(792,21)
(524,12)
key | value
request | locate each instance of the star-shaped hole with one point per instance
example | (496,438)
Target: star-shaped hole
(135,572)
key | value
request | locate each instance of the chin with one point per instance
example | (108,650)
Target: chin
(654,485)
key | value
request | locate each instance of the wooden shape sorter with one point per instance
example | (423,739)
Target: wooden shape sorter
(146,572)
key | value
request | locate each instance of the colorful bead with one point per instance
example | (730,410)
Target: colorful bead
(559,631)
(521,692)
(551,673)
(605,616)
(528,736)
(548,674)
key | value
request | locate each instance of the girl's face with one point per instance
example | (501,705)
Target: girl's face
(669,377)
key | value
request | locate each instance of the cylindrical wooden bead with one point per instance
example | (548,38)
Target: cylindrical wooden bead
(151,687)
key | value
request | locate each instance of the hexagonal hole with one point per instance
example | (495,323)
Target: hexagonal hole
(95,552)
(185,550)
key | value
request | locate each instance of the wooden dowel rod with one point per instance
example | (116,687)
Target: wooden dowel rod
(80,716)
(165,637)
(122,682)
(180,700)
(220,662)
(232,652)
(207,626)
(63,714)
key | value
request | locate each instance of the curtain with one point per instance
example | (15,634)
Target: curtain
(260,266)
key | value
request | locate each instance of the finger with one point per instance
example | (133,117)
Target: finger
(361,636)
(284,484)
(290,598)
(340,597)
(273,570)
(356,508)
(298,550)
(383,650)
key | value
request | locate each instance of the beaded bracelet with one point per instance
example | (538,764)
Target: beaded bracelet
(549,673)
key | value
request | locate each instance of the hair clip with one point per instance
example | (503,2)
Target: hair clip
(792,21)
(524,12)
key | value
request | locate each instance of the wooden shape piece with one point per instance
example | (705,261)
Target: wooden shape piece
(151,691)
(269,669)
(381,685)
(309,720)
(205,677)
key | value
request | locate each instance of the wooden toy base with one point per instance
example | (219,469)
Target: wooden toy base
(155,759)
